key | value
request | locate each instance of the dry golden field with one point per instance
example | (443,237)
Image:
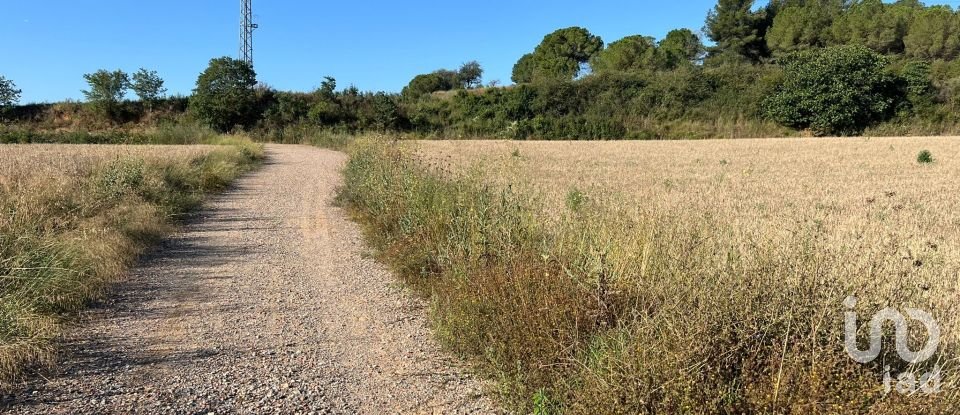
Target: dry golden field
(852,188)
(37,163)
(762,181)
(765,238)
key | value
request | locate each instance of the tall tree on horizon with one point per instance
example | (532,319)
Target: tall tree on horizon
(803,24)
(737,28)
(561,55)
(876,25)
(9,94)
(630,54)
(224,97)
(148,85)
(470,75)
(679,47)
(934,34)
(107,89)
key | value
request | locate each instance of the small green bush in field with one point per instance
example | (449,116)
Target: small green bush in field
(925,157)
(121,177)
(542,405)
(576,199)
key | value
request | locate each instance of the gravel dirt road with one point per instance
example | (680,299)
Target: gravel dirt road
(266,302)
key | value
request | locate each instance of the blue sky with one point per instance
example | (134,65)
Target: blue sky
(46,46)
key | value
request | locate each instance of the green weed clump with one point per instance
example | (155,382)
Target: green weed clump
(575,200)
(64,239)
(604,312)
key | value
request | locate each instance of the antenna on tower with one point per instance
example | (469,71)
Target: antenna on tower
(246,31)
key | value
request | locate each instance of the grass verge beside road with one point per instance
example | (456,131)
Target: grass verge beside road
(75,218)
(599,311)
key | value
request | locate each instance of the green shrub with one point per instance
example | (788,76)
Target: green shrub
(121,177)
(925,157)
(838,90)
(225,97)
(429,83)
(575,200)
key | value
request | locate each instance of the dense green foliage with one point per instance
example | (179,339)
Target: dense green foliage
(224,97)
(632,53)
(876,25)
(560,56)
(643,53)
(106,90)
(840,90)
(802,25)
(680,47)
(737,29)
(934,33)
(164,134)
(429,83)
(148,86)
(649,104)
(294,117)
(469,76)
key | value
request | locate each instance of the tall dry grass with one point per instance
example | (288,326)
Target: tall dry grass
(693,277)
(75,217)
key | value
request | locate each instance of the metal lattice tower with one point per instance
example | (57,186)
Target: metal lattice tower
(246,31)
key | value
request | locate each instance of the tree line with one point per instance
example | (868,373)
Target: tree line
(823,66)
(826,66)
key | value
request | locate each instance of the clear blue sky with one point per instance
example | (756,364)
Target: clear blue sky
(47,45)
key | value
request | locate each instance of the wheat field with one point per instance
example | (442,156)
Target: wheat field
(747,246)
(863,192)
(23,163)
(764,181)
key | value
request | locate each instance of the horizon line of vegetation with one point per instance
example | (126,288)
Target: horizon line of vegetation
(790,67)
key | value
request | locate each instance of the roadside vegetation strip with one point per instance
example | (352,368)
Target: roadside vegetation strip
(74,218)
(162,133)
(602,311)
